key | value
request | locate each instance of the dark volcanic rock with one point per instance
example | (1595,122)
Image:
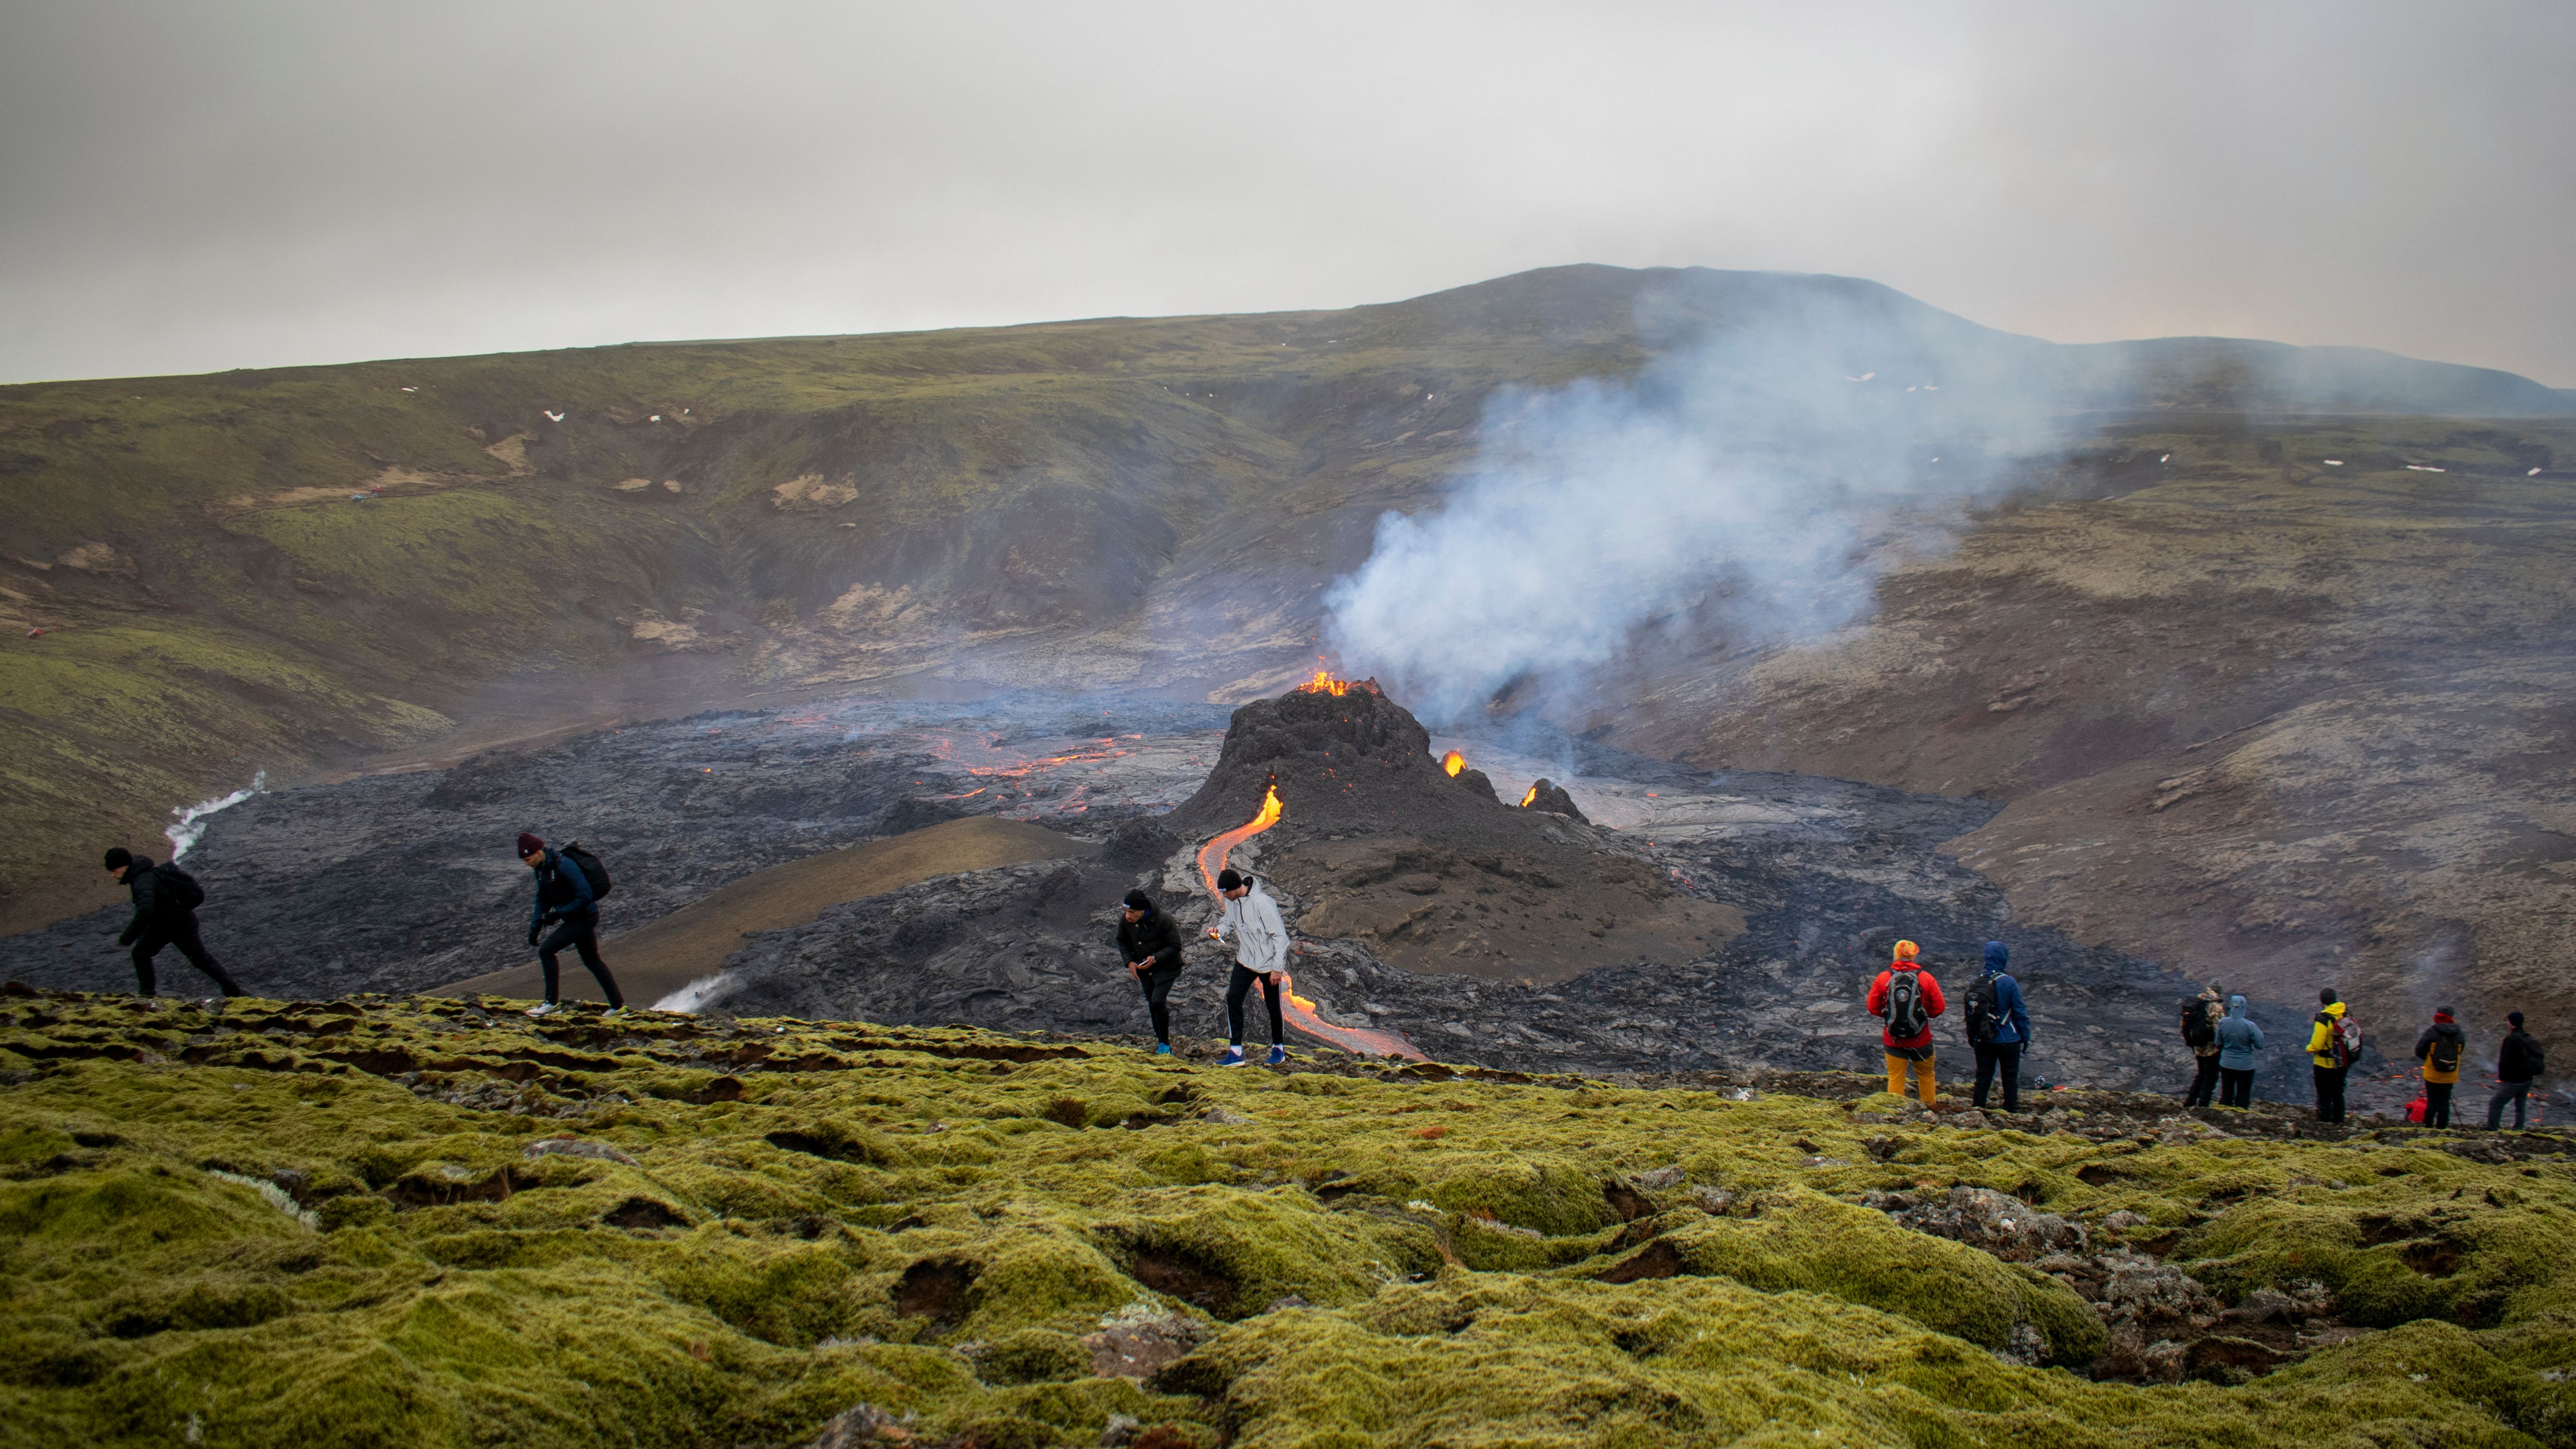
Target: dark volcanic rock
(1550,796)
(1430,870)
(1354,763)
(1139,843)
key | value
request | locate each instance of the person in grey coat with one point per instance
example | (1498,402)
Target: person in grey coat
(2238,1040)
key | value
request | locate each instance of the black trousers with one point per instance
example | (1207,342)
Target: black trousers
(2518,1093)
(181,933)
(2437,1103)
(1157,984)
(2329,1091)
(581,933)
(1998,1059)
(2204,1082)
(2235,1088)
(1235,988)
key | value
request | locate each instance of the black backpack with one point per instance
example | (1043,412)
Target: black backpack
(1906,1016)
(1983,1020)
(2446,1052)
(2197,1029)
(600,884)
(184,892)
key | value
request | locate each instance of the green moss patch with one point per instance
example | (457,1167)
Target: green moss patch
(216,1237)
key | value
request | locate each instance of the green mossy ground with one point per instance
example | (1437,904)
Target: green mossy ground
(815,1217)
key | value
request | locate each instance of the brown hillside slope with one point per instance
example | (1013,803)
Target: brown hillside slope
(2277,723)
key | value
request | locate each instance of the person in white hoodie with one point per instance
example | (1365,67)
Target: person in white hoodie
(1260,954)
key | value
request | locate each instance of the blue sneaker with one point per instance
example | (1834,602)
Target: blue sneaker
(1233,1057)
(1278,1055)
(1162,1048)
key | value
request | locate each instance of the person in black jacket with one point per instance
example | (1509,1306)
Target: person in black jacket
(565,903)
(1150,943)
(2515,1067)
(162,917)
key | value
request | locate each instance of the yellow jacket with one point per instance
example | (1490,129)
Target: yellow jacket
(2319,1051)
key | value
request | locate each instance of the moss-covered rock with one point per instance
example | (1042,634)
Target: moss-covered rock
(307,1254)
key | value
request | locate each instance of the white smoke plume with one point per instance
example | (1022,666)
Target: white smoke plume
(1732,488)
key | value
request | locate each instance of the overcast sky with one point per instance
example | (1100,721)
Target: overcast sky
(196,187)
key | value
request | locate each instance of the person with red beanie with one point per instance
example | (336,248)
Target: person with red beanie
(1907,998)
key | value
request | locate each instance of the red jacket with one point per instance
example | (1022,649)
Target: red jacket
(1932,1004)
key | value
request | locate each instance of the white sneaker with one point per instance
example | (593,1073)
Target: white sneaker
(545,1008)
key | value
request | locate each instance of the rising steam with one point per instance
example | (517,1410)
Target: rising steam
(1737,488)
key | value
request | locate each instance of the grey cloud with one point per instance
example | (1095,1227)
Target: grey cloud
(197,187)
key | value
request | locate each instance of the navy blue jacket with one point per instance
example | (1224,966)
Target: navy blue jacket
(552,878)
(2012,1017)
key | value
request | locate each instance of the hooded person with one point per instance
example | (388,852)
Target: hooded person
(2440,1049)
(2238,1040)
(1998,1027)
(1907,998)
(1251,917)
(2329,1055)
(1150,944)
(2518,1065)
(2200,1018)
(165,914)
(566,903)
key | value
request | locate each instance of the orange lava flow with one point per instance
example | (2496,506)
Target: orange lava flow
(1453,762)
(1532,795)
(1299,1010)
(1325,683)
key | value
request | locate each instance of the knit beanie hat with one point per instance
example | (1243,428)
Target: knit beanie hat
(119,858)
(1907,950)
(1227,880)
(1139,901)
(2514,1016)
(529,844)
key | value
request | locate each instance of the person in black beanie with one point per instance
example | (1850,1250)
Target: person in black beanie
(165,914)
(1150,944)
(2517,1063)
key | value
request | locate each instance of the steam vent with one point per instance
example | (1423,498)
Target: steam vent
(1381,843)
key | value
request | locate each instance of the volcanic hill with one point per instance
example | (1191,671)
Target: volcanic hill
(1381,844)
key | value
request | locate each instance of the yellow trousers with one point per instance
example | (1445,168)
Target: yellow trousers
(1922,1077)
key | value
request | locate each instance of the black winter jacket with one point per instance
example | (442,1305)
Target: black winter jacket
(155,903)
(2513,1059)
(1157,936)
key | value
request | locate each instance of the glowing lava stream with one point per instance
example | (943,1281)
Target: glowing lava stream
(1299,1010)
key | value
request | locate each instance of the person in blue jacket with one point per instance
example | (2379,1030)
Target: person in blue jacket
(565,903)
(1998,1027)
(2238,1040)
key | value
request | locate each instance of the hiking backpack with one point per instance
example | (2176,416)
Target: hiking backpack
(2197,1029)
(1984,1021)
(600,884)
(185,893)
(2343,1037)
(2446,1054)
(1906,1015)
